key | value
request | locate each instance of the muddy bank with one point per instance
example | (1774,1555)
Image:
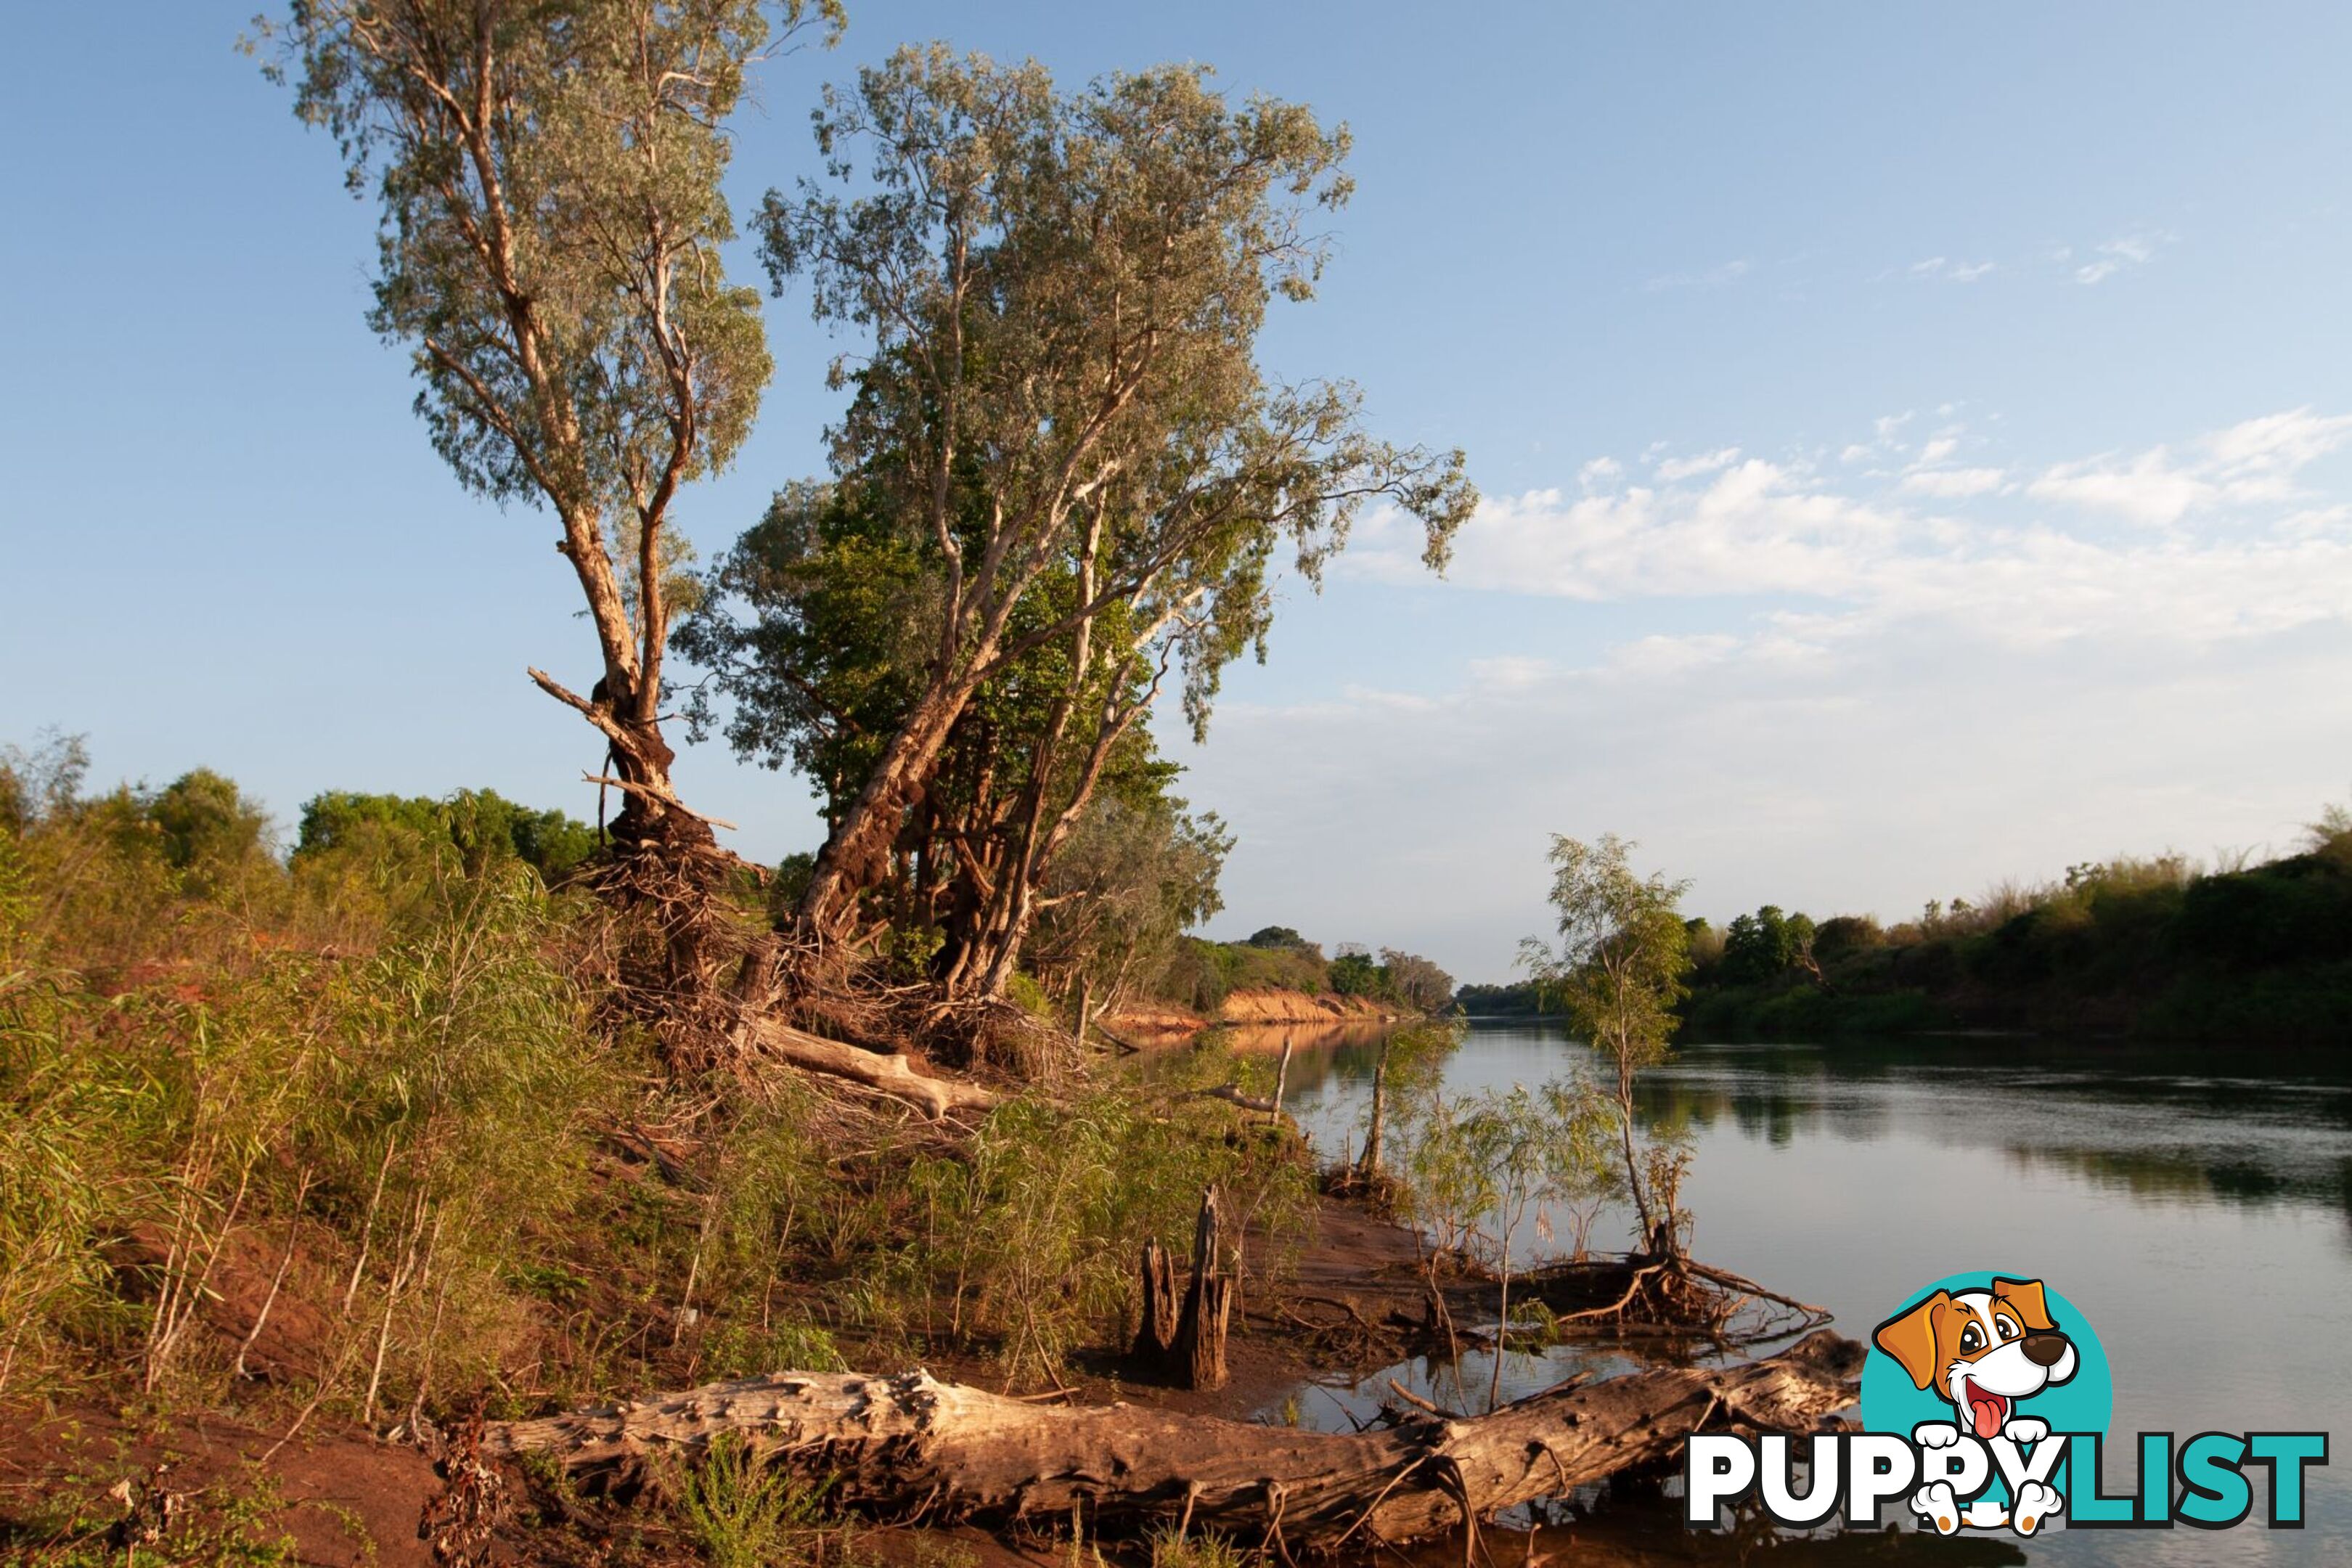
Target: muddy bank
(1354,1297)
(1252,1009)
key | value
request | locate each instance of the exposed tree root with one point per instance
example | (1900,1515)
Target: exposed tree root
(911,1445)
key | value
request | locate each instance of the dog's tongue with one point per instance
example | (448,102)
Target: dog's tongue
(1988,1417)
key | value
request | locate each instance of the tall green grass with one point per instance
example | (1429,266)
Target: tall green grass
(360,1130)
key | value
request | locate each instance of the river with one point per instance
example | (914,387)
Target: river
(2195,1207)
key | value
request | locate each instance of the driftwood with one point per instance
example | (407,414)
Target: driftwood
(912,1446)
(892,1075)
(1234,1096)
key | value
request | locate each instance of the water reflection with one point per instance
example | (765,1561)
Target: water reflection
(2201,1219)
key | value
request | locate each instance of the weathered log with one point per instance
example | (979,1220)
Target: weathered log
(892,1075)
(912,1445)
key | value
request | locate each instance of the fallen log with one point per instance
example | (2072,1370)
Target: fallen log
(892,1075)
(913,1445)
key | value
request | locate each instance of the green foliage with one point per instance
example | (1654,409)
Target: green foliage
(604,151)
(1622,951)
(1523,999)
(231,1523)
(739,1350)
(1027,1237)
(1415,981)
(1353,974)
(1201,974)
(1765,945)
(1841,936)
(208,826)
(416,1104)
(395,1075)
(1044,507)
(484,827)
(1171,1549)
(1618,974)
(2152,946)
(742,1511)
(1133,877)
(1283,937)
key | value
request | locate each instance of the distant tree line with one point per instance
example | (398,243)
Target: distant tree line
(2157,947)
(1204,973)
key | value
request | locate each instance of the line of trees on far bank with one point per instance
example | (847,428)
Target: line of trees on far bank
(2156,947)
(1204,973)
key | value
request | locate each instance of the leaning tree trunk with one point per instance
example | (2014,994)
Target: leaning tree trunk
(913,1445)
(856,853)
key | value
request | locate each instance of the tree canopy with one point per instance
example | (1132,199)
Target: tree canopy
(550,250)
(1061,457)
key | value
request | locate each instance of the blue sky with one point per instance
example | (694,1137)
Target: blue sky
(1918,443)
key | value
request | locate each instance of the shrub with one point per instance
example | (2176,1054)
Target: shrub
(742,1512)
(1843,935)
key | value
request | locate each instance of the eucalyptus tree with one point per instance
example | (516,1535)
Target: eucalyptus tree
(1060,411)
(1617,973)
(548,175)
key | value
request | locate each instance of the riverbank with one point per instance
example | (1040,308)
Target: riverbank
(274,1483)
(277,1482)
(1157,1024)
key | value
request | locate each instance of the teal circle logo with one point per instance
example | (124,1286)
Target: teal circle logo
(1928,1336)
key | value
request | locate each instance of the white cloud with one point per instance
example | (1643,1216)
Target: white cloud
(1939,269)
(1674,470)
(1983,648)
(1953,484)
(1770,778)
(2278,442)
(1511,671)
(1886,425)
(2232,545)
(2250,462)
(1714,276)
(2127,250)
(1598,472)
(1857,453)
(1937,450)
(2150,489)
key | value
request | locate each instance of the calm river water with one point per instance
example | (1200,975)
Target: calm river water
(2196,1207)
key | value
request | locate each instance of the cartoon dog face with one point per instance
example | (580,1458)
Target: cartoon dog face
(1982,1349)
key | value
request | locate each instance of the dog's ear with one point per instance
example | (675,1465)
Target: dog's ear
(1910,1338)
(2025,1295)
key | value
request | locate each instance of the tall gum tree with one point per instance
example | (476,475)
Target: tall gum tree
(1060,296)
(548,175)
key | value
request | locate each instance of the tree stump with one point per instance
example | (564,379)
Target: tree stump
(1186,1341)
(1369,1167)
(1155,1337)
